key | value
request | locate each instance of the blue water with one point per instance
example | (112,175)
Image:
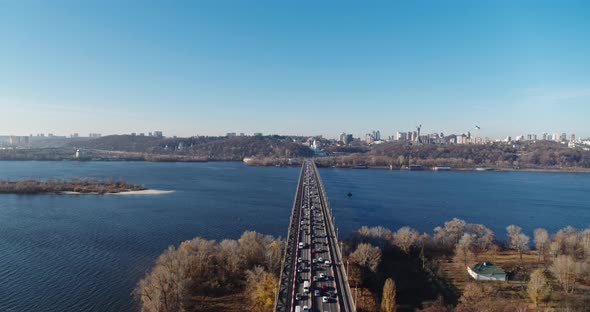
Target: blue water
(85,253)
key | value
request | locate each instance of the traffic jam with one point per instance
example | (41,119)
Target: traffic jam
(315,290)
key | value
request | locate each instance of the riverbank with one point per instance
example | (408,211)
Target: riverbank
(76,186)
(141,192)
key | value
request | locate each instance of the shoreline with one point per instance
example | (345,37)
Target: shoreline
(547,170)
(141,192)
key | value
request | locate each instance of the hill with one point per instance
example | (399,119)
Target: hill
(202,148)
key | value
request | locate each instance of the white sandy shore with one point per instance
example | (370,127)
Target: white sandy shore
(143,192)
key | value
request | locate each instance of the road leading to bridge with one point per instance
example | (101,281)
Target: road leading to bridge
(312,276)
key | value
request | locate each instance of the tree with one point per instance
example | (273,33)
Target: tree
(389,294)
(538,287)
(566,270)
(482,237)
(517,240)
(451,233)
(463,252)
(367,255)
(541,241)
(262,289)
(477,298)
(405,238)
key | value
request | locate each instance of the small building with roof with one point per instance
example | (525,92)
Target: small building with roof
(486,271)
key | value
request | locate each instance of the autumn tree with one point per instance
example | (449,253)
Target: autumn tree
(541,241)
(388,298)
(517,240)
(538,287)
(367,255)
(405,238)
(262,289)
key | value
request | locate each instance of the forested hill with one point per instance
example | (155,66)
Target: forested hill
(207,148)
(538,155)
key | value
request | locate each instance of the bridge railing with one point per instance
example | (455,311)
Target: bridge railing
(283,297)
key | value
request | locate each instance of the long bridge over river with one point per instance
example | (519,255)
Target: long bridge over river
(312,276)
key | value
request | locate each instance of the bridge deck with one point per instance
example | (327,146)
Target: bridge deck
(312,276)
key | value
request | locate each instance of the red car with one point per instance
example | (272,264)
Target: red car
(313,251)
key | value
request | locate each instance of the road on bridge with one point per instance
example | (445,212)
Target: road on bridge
(312,277)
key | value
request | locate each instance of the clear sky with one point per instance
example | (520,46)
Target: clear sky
(294,67)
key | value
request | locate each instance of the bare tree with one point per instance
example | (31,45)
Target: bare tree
(566,270)
(405,238)
(482,237)
(463,253)
(367,255)
(451,233)
(585,244)
(541,241)
(567,239)
(517,240)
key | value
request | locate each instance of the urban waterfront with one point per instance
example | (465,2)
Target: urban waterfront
(85,253)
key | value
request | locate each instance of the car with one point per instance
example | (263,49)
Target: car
(305,309)
(315,278)
(321,259)
(322,275)
(313,251)
(297,296)
(299,270)
(299,260)
(324,287)
(299,279)
(325,299)
(327,263)
(314,261)
(316,293)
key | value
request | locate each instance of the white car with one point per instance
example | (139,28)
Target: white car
(322,275)
(297,296)
(306,308)
(316,293)
(321,259)
(299,260)
(325,299)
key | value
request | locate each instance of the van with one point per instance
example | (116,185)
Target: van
(297,309)
(306,287)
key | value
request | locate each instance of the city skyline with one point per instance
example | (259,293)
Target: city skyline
(212,68)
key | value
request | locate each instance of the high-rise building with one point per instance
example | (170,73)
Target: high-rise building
(377,135)
(401,136)
(343,137)
(369,138)
(544,136)
(572,137)
(158,134)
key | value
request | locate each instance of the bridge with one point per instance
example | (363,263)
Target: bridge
(312,275)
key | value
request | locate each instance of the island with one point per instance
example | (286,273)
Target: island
(73,187)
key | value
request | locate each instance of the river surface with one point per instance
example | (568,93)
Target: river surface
(85,253)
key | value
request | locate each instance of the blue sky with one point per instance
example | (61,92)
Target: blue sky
(294,67)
